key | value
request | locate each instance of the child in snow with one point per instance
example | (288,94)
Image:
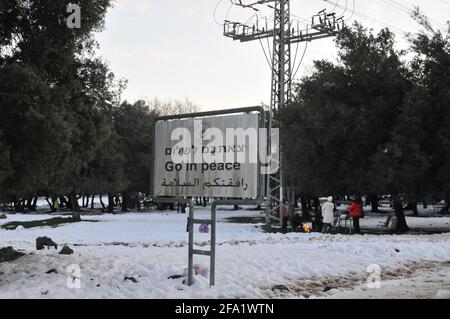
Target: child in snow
(328,215)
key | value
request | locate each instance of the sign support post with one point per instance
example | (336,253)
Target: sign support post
(183,191)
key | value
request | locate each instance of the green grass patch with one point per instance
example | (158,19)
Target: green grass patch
(52,222)
(246,220)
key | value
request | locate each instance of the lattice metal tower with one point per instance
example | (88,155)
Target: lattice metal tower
(322,25)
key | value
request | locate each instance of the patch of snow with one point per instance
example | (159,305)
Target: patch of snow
(151,247)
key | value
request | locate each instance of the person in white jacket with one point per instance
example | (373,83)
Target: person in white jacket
(328,215)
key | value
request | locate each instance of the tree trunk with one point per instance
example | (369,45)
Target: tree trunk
(374,203)
(110,203)
(101,201)
(50,204)
(76,214)
(34,204)
(18,206)
(69,202)
(86,201)
(92,201)
(138,202)
(400,214)
(295,201)
(125,201)
(414,209)
(63,202)
(412,206)
(29,202)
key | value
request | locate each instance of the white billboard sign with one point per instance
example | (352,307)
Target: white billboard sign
(211,156)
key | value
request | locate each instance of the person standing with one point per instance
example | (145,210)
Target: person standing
(328,215)
(284,214)
(355,211)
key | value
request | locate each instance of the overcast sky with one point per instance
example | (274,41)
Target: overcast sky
(175,48)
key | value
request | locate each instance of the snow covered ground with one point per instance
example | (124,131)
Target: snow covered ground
(150,247)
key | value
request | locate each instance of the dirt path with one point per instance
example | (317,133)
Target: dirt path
(424,280)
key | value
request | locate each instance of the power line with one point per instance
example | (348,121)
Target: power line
(232,4)
(407,10)
(376,21)
(353,11)
(301,60)
(215,11)
(229,10)
(265,54)
(335,6)
(345,9)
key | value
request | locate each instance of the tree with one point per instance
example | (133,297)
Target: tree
(5,164)
(76,90)
(134,125)
(105,174)
(416,159)
(32,130)
(172,107)
(342,113)
(431,72)
(94,96)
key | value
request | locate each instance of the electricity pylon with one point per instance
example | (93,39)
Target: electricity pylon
(323,25)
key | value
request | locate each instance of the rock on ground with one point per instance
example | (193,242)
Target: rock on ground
(42,242)
(66,250)
(9,254)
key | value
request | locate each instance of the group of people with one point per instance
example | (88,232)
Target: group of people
(355,211)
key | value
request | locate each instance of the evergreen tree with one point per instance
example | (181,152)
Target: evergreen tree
(416,160)
(431,72)
(76,90)
(5,163)
(134,125)
(32,129)
(342,113)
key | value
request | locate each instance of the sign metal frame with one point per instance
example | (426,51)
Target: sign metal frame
(227,201)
